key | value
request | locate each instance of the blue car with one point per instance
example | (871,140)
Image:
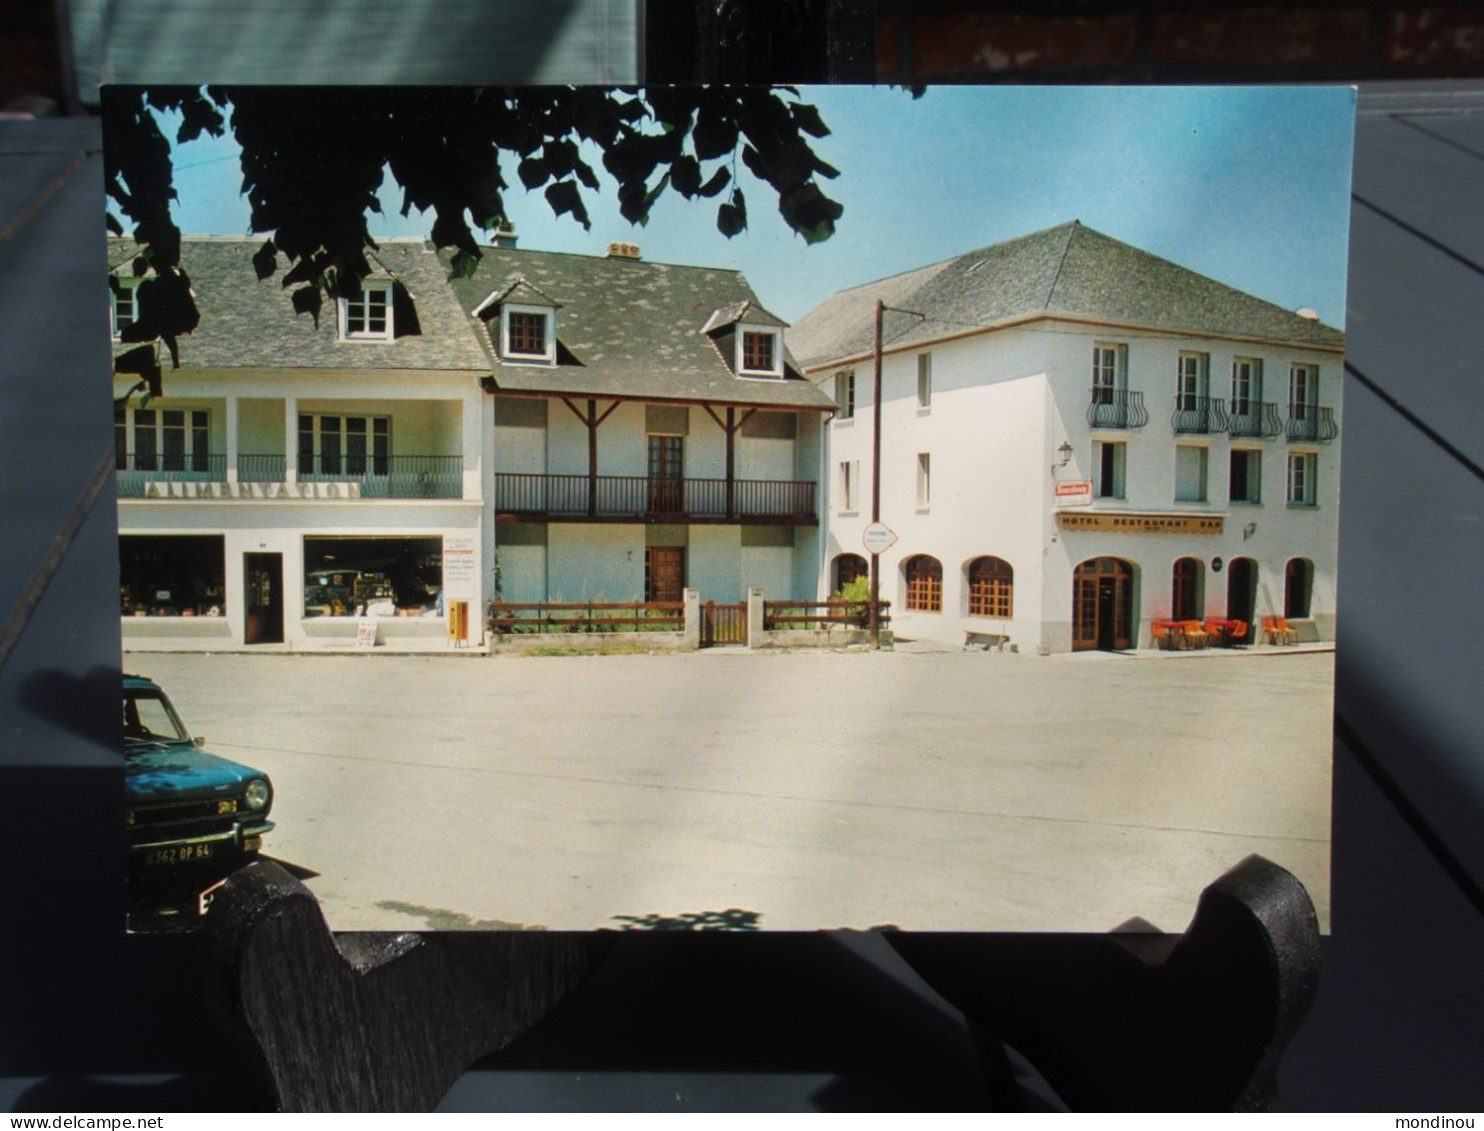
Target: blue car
(193,818)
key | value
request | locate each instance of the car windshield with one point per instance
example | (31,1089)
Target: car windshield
(149,717)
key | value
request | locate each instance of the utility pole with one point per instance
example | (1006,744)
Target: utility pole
(876,484)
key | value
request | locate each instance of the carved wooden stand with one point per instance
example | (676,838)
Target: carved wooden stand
(388,1022)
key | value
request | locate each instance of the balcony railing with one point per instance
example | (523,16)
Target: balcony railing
(389,477)
(1311,422)
(1199,414)
(1253,418)
(135,469)
(1116,408)
(385,477)
(645,499)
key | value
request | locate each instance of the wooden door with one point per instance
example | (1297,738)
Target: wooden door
(1102,605)
(666,474)
(664,573)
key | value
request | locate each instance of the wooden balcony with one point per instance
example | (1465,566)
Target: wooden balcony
(636,498)
(205,476)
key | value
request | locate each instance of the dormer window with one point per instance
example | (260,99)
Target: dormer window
(368,316)
(528,334)
(759,352)
(125,304)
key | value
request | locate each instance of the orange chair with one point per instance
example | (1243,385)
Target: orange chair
(1195,635)
(1277,630)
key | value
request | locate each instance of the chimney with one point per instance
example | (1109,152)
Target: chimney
(623,251)
(503,236)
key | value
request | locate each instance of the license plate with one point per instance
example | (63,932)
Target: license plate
(178,853)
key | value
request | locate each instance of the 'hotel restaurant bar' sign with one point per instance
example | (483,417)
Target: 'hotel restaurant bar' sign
(1142,523)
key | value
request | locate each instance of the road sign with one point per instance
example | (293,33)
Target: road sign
(878,537)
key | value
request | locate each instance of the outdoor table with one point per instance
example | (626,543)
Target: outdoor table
(1226,630)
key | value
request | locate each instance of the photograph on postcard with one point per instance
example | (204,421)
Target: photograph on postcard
(727,508)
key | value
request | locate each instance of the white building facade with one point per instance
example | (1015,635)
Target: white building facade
(1083,446)
(298,482)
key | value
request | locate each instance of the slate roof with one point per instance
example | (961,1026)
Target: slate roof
(1066,270)
(631,328)
(247,324)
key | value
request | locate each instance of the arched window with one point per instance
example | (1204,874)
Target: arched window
(1185,594)
(991,588)
(924,584)
(848,568)
(1298,588)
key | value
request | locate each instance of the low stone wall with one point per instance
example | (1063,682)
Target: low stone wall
(836,636)
(517,642)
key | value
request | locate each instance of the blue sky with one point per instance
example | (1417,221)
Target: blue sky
(1247,185)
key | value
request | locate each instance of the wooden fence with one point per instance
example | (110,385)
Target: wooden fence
(504,617)
(797,614)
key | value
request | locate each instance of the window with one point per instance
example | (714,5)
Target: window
(1246,385)
(1246,476)
(336,446)
(1301,475)
(124,296)
(1190,381)
(368,316)
(1186,599)
(1107,372)
(991,588)
(1303,390)
(1298,588)
(758,352)
(924,480)
(924,577)
(849,485)
(924,380)
(528,334)
(1190,473)
(1108,457)
(172,575)
(372,575)
(845,395)
(147,439)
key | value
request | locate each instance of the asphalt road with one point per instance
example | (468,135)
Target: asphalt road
(928,790)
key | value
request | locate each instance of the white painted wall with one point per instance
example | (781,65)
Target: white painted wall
(1002,405)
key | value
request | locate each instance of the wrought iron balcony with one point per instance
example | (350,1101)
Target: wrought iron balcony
(1253,418)
(1311,422)
(637,498)
(1116,408)
(135,469)
(1199,414)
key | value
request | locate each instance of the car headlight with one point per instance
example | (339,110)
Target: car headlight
(258,794)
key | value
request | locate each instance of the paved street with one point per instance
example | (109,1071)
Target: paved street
(930,790)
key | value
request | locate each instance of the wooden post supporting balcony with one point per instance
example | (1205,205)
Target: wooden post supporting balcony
(731,427)
(592,420)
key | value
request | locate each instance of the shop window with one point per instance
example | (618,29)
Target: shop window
(172,575)
(1298,588)
(924,576)
(991,588)
(372,576)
